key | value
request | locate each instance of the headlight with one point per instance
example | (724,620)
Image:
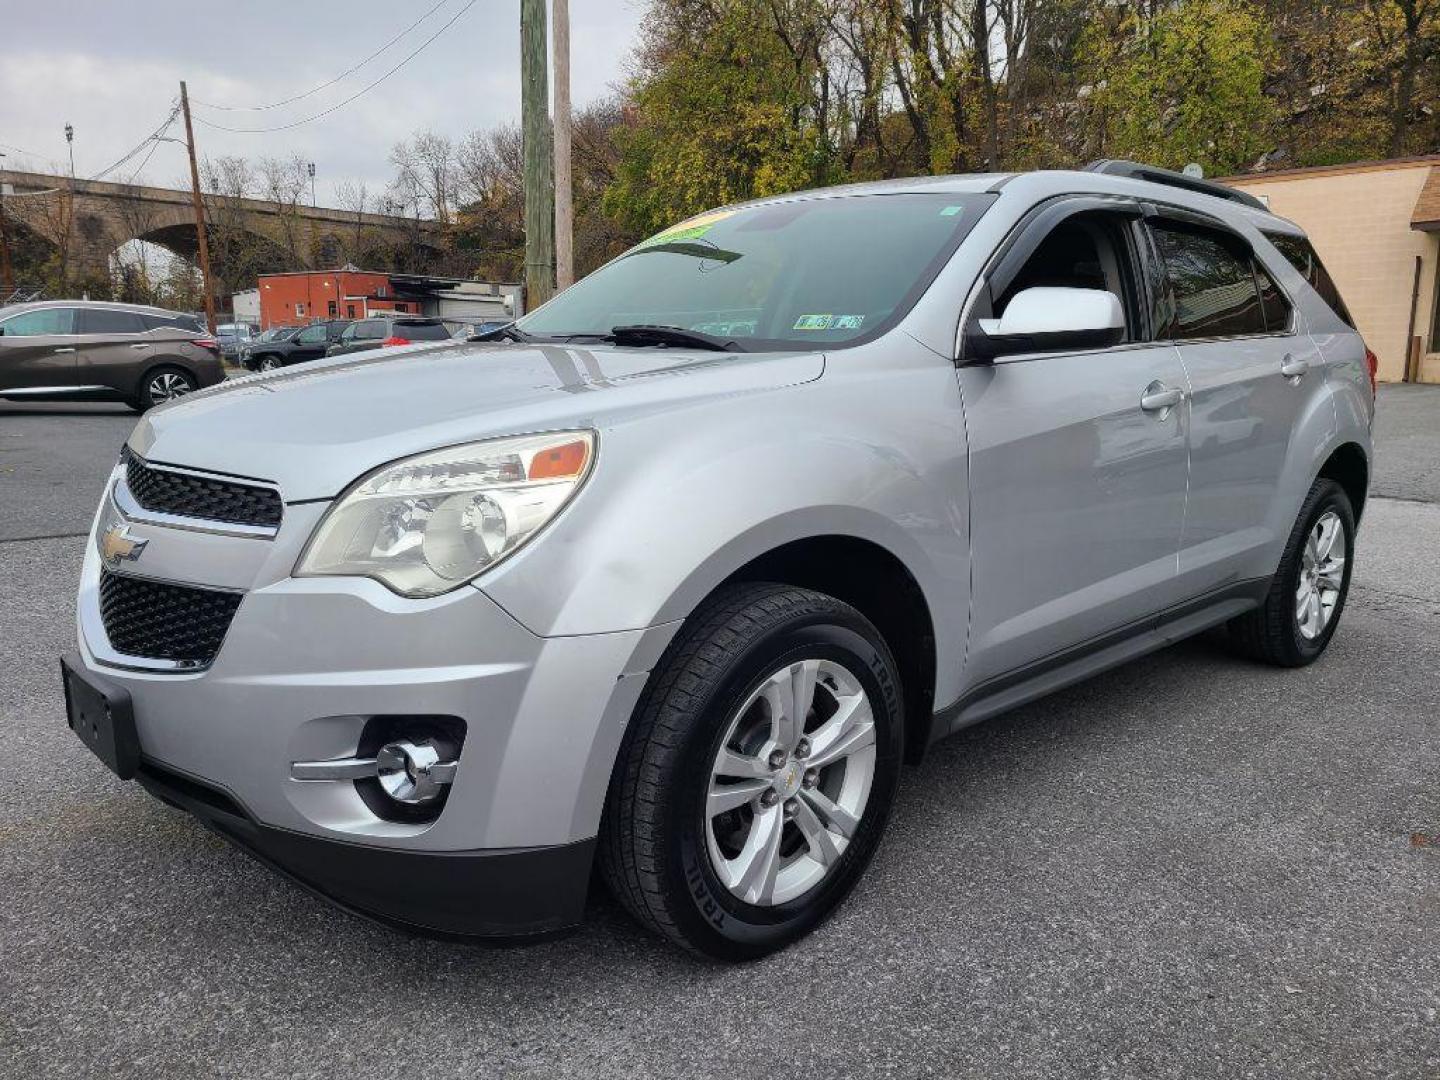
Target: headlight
(428,524)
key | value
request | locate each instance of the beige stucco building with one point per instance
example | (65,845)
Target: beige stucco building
(1376,226)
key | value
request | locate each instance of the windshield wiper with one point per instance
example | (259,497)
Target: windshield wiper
(655,334)
(508,332)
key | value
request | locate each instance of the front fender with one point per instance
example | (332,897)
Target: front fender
(683,499)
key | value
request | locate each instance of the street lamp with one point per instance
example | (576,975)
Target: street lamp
(70,142)
(311,169)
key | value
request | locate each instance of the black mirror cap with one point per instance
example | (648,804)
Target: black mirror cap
(983,348)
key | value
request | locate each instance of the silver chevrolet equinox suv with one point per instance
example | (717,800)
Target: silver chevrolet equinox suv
(672,575)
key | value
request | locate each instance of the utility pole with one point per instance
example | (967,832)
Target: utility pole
(7,275)
(564,187)
(199,210)
(539,181)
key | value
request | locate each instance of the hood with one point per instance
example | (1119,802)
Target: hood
(314,429)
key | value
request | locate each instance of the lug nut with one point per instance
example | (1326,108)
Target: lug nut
(791,808)
(810,779)
(769,798)
(802,749)
(777,758)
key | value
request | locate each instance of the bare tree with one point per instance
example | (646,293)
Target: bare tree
(283,183)
(427,166)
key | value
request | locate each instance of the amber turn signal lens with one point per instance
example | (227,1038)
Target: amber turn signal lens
(556,462)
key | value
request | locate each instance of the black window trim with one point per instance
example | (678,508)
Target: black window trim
(1038,222)
(1205,221)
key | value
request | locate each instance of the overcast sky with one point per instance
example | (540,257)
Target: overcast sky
(112,68)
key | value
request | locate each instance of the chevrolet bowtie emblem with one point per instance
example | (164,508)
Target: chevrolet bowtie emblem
(117,545)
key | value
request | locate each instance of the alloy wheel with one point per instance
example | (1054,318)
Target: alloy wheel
(269,363)
(167,385)
(790,781)
(1322,575)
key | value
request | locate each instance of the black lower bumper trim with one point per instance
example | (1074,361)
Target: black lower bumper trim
(514,893)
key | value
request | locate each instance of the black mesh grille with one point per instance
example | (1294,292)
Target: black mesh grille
(201,497)
(164,622)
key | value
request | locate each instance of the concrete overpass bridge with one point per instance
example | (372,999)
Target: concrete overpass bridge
(91,219)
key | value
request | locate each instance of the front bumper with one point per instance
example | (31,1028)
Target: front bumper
(487,894)
(308,662)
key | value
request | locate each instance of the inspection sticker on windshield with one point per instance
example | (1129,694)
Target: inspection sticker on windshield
(813,322)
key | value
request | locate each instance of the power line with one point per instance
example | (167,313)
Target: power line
(316,89)
(359,93)
(154,137)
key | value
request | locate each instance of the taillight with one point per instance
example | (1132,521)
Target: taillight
(206,343)
(393,340)
(1373,363)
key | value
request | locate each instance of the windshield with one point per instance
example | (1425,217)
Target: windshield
(784,275)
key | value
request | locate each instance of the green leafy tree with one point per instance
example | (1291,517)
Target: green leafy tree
(1187,84)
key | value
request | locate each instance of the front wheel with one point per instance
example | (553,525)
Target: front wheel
(1307,594)
(269,363)
(759,772)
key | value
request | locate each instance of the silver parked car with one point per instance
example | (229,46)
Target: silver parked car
(674,573)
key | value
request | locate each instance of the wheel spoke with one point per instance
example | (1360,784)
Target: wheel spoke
(790,695)
(817,837)
(858,737)
(1327,530)
(725,797)
(758,863)
(1317,620)
(833,815)
(741,766)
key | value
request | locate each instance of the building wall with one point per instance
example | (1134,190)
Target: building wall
(246,306)
(299,299)
(1358,218)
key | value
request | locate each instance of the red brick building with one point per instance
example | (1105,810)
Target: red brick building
(302,297)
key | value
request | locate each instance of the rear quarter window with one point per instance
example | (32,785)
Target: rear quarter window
(422,331)
(1300,254)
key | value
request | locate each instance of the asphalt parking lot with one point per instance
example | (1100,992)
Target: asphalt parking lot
(1190,867)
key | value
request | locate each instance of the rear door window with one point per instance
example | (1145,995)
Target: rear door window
(41,323)
(1300,253)
(104,321)
(370,330)
(1214,284)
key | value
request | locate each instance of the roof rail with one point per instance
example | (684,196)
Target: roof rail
(1156,175)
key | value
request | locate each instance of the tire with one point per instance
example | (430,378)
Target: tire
(162,384)
(269,363)
(1275,632)
(662,853)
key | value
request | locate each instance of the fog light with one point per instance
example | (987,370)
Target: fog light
(413,773)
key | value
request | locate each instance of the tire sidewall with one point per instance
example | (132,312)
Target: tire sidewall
(1329,496)
(712,917)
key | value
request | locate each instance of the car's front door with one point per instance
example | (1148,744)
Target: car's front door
(37,350)
(310,343)
(114,348)
(1254,373)
(1077,467)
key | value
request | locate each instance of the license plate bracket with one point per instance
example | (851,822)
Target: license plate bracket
(100,713)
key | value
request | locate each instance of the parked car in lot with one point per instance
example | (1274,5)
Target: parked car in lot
(306,343)
(385,331)
(465,329)
(708,545)
(275,333)
(234,339)
(88,350)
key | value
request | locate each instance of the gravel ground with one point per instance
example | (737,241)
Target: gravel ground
(1190,867)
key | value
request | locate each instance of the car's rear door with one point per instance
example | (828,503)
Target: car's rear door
(1254,372)
(114,348)
(37,350)
(1077,476)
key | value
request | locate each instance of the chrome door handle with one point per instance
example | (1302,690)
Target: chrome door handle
(141,345)
(1292,368)
(67,348)
(1159,398)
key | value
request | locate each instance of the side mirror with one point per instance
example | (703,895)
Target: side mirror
(1049,320)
